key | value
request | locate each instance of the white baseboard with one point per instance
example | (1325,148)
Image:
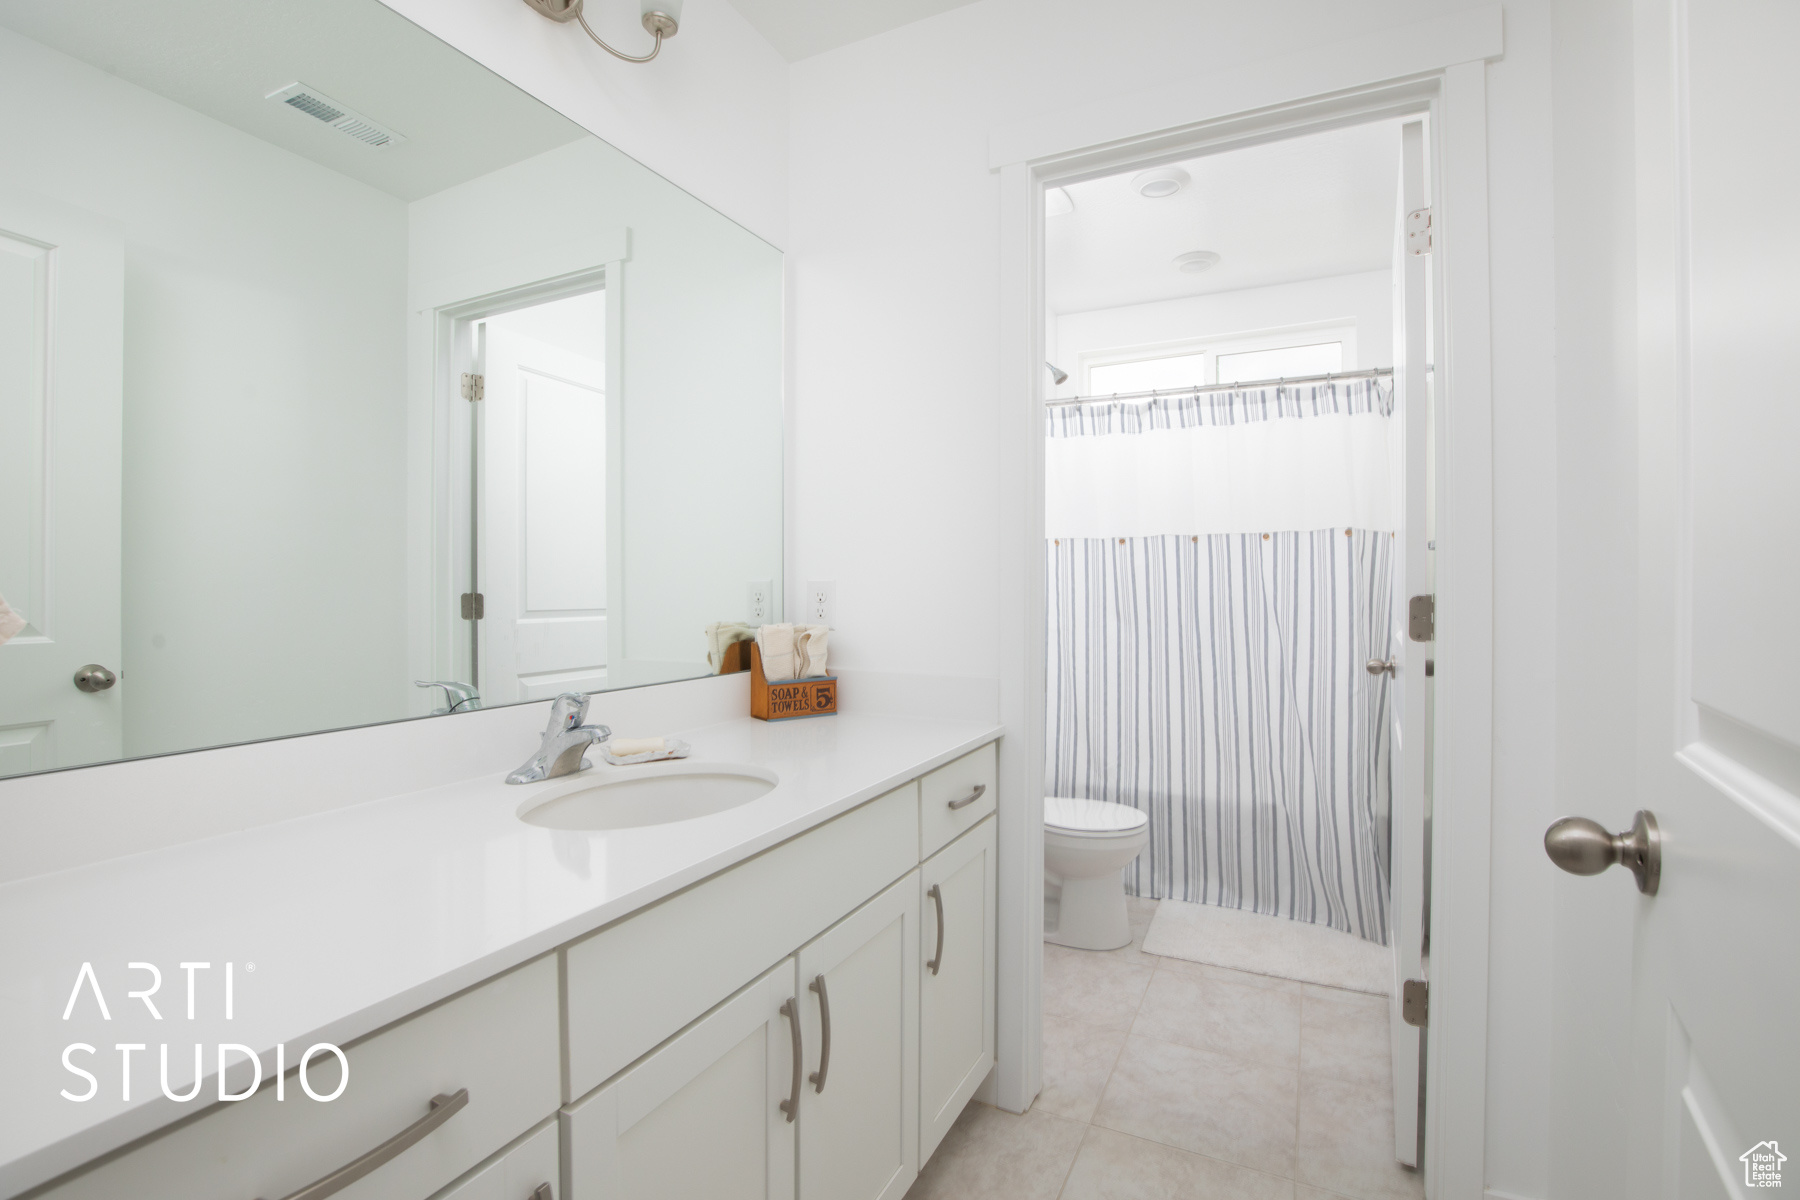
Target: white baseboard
(1494,1194)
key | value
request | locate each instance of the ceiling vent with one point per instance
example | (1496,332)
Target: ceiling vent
(340,117)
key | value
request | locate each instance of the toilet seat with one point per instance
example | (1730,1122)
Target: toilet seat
(1073,817)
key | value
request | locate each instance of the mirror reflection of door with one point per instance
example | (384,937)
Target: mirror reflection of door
(540,524)
(61,385)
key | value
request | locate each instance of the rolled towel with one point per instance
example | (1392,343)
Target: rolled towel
(10,622)
(777,645)
(719,637)
(809,648)
(626,747)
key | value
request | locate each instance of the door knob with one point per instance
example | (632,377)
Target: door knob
(1583,847)
(1378,667)
(94,678)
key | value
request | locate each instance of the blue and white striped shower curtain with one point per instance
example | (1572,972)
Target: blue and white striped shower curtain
(1217,682)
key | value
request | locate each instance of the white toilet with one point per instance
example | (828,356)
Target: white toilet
(1086,844)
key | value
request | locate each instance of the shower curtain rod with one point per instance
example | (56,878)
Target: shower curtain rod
(1245,386)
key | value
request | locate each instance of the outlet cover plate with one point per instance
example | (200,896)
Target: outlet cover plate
(758,596)
(821,602)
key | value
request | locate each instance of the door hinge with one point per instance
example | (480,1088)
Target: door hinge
(474,606)
(1418,231)
(474,387)
(1421,618)
(1415,997)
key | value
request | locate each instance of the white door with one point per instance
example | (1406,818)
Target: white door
(62,305)
(1716,972)
(541,544)
(859,1005)
(956,984)
(703,1116)
(1406,838)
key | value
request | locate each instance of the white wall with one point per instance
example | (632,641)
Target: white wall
(895,257)
(710,113)
(1365,300)
(263,408)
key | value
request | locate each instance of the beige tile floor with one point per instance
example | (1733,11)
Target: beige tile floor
(1171,1080)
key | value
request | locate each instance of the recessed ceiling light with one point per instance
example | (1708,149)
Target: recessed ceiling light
(1058,202)
(1196,261)
(1164,181)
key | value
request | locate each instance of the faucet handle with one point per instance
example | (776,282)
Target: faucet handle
(569,711)
(456,695)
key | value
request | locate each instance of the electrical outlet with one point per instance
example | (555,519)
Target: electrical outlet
(760,595)
(821,596)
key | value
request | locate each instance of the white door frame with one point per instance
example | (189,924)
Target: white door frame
(1437,67)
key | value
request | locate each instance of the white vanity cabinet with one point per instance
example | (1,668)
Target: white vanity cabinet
(956,980)
(710,1114)
(804,1025)
(859,1109)
(635,983)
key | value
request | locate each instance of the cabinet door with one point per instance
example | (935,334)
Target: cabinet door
(956,999)
(859,1108)
(702,1116)
(528,1171)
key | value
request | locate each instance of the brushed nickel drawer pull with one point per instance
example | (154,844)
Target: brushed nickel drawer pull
(937,897)
(818,1076)
(972,797)
(791,1106)
(443,1107)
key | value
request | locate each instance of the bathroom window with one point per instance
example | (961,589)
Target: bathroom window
(1285,362)
(1182,370)
(1314,349)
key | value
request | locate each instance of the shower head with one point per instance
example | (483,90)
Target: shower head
(1057,374)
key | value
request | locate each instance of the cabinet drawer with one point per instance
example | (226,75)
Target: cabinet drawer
(634,984)
(498,1041)
(952,785)
(516,1175)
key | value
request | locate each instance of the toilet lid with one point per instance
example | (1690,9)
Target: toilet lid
(1091,816)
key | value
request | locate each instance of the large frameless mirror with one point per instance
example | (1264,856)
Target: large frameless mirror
(333,365)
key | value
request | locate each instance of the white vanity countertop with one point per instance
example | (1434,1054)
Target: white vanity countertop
(342,922)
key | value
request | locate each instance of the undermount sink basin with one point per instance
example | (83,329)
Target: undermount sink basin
(649,794)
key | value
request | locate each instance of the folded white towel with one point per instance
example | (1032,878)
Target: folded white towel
(809,648)
(626,747)
(720,635)
(10,622)
(777,645)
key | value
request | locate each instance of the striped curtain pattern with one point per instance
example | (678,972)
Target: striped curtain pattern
(1217,683)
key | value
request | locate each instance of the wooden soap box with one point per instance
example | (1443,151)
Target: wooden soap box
(781,699)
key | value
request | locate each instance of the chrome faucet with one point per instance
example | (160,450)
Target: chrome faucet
(458,697)
(566,741)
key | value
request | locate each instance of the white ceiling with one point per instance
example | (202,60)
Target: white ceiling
(802,28)
(1303,208)
(222,57)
